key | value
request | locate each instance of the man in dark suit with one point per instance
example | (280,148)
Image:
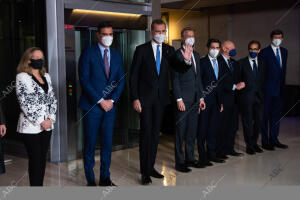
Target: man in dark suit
(2,133)
(212,74)
(187,88)
(149,87)
(252,96)
(231,83)
(276,59)
(102,80)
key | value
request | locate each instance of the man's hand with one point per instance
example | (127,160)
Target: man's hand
(221,110)
(187,53)
(46,124)
(180,106)
(137,106)
(202,105)
(106,105)
(240,85)
(2,130)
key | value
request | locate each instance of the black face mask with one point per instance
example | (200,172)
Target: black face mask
(36,64)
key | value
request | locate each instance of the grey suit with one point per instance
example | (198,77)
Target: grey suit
(187,86)
(2,121)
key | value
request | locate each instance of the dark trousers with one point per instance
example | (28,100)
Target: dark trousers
(225,143)
(37,148)
(150,123)
(271,118)
(252,112)
(208,132)
(186,128)
(2,165)
(93,121)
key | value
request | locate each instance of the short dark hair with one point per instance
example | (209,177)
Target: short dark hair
(186,29)
(157,21)
(276,32)
(253,42)
(102,25)
(212,40)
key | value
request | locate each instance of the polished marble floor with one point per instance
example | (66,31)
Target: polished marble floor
(280,167)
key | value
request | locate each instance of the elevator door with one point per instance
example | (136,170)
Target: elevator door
(127,121)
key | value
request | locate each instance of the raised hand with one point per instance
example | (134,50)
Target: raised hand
(187,53)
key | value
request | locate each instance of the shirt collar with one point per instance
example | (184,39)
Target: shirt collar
(102,48)
(252,59)
(273,46)
(226,59)
(155,44)
(211,58)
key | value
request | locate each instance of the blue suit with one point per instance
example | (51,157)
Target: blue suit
(273,93)
(95,86)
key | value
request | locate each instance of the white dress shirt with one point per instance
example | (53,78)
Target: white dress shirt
(212,63)
(274,50)
(102,48)
(154,47)
(251,62)
(226,60)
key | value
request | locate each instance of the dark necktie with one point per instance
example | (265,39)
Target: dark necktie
(254,68)
(106,64)
(278,57)
(230,65)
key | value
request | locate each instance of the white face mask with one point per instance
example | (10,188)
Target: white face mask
(213,52)
(190,41)
(159,38)
(107,40)
(276,42)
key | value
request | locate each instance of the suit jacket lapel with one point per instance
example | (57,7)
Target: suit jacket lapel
(249,67)
(100,59)
(111,64)
(211,67)
(274,56)
(283,57)
(152,58)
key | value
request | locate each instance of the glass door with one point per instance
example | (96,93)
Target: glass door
(127,121)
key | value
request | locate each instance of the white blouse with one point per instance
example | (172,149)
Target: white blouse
(36,105)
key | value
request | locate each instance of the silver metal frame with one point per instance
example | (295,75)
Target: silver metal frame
(57,61)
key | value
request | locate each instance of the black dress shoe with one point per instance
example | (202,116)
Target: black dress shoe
(257,149)
(217,160)
(182,168)
(155,174)
(208,164)
(200,164)
(190,163)
(146,180)
(91,184)
(250,151)
(281,146)
(222,156)
(106,182)
(237,154)
(268,147)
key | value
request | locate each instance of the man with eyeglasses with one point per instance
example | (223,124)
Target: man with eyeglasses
(251,97)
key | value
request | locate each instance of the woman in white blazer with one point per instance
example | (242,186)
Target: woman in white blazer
(38,107)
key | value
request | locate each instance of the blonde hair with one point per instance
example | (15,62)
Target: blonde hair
(23,64)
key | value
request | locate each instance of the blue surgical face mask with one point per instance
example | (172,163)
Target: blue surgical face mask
(232,52)
(253,54)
